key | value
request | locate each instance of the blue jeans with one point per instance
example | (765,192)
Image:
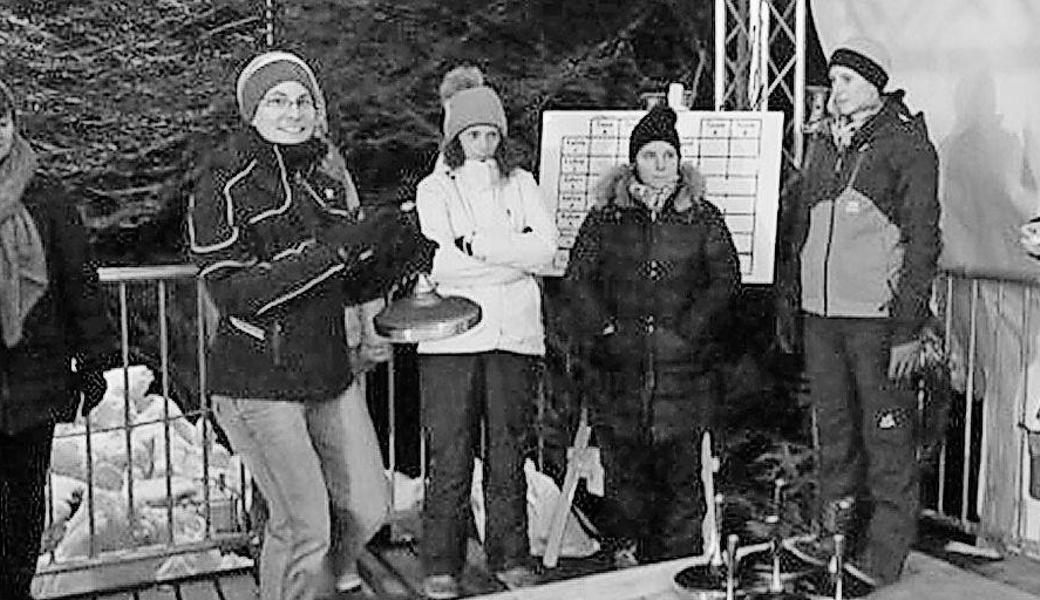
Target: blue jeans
(306,458)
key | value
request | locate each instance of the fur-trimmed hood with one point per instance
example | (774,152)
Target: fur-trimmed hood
(612,188)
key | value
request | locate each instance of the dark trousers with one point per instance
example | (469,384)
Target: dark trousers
(458,390)
(867,430)
(653,494)
(24,460)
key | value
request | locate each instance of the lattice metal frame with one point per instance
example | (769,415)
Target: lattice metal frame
(760,62)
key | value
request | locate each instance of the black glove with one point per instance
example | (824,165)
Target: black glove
(353,240)
(92,385)
(401,253)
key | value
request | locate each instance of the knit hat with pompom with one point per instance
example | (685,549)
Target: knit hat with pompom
(458,79)
(474,106)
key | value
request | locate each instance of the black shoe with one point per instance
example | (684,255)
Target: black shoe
(624,558)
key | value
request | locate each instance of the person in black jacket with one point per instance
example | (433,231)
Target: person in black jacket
(858,255)
(51,316)
(284,250)
(650,278)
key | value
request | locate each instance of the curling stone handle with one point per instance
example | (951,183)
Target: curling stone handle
(710,529)
(731,566)
(839,563)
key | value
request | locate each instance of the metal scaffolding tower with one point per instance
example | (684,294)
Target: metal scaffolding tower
(760,57)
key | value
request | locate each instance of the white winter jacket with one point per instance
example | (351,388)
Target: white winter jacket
(512,236)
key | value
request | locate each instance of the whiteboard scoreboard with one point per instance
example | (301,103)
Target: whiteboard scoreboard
(737,152)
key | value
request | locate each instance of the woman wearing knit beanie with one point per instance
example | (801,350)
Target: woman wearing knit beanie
(857,269)
(495,232)
(51,313)
(649,284)
(284,253)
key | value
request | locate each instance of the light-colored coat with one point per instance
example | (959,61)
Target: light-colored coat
(513,237)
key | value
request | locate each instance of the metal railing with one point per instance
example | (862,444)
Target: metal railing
(989,321)
(150,544)
(140,491)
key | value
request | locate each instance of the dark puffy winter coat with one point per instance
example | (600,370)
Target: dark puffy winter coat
(282,250)
(37,384)
(648,298)
(859,232)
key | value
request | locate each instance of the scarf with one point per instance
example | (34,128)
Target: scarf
(23,265)
(653,197)
(843,128)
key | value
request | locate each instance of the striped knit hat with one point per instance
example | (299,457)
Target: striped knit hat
(866,57)
(268,70)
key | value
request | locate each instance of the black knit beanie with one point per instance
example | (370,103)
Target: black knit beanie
(656,125)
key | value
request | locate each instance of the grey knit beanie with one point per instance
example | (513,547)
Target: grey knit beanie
(474,106)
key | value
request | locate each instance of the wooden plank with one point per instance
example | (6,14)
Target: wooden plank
(402,561)
(577,468)
(383,582)
(648,581)
(240,586)
(200,590)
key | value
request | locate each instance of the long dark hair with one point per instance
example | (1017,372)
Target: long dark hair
(505,156)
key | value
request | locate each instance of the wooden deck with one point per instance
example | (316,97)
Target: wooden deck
(394,573)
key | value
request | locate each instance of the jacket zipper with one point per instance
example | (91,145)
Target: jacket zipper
(650,383)
(830,241)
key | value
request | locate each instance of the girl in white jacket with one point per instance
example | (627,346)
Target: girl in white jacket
(495,232)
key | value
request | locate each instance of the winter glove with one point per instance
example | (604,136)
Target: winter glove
(355,241)
(401,253)
(92,385)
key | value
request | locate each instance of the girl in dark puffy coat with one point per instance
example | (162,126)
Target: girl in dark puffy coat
(51,313)
(650,279)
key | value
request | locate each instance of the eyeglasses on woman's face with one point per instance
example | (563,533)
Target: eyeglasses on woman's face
(287,114)
(282,103)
